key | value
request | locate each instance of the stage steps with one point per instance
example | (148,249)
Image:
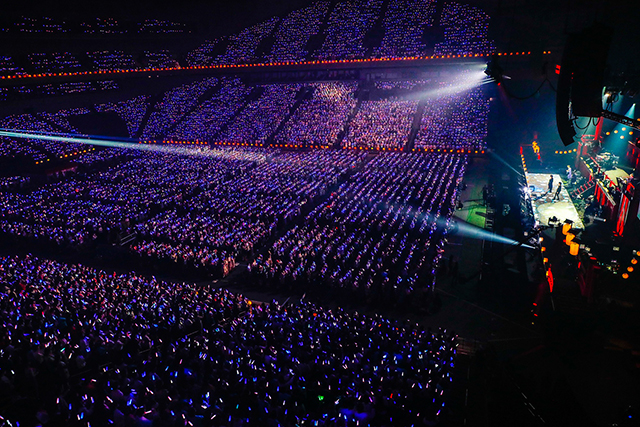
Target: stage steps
(150,109)
(467,347)
(254,95)
(204,97)
(582,189)
(373,37)
(126,239)
(345,130)
(415,125)
(317,40)
(488,224)
(303,94)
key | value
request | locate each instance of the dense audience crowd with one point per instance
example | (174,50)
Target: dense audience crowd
(12,148)
(112,60)
(347,33)
(377,239)
(99,26)
(175,104)
(205,122)
(454,122)
(103,26)
(60,119)
(159,59)
(319,120)
(404,25)
(325,31)
(157,26)
(381,125)
(211,229)
(86,347)
(41,149)
(97,156)
(203,209)
(344,30)
(103,204)
(321,117)
(203,54)
(401,85)
(186,260)
(243,211)
(43,25)
(55,89)
(466,31)
(260,118)
(13,182)
(347,27)
(243,46)
(8,66)
(53,62)
(294,32)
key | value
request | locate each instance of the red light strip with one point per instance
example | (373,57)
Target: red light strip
(249,144)
(265,65)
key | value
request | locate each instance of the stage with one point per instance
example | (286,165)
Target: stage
(544,207)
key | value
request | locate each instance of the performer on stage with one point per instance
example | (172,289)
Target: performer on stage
(557,195)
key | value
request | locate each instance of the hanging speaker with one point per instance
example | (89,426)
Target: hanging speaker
(581,78)
(588,62)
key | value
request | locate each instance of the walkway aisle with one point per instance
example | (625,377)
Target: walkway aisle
(465,248)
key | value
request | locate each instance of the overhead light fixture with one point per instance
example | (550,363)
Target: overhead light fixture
(495,71)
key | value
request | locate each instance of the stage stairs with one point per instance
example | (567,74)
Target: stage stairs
(303,94)
(490,216)
(345,130)
(583,188)
(415,125)
(202,98)
(126,239)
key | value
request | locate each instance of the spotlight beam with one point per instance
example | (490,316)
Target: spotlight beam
(504,162)
(17,133)
(101,142)
(471,231)
(459,84)
(75,135)
(466,229)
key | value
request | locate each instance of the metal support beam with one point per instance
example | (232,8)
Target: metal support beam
(623,120)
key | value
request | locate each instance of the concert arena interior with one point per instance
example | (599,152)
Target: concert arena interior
(334,213)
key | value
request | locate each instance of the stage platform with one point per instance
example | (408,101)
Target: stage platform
(543,205)
(616,173)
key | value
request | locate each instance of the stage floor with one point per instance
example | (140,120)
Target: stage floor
(616,173)
(543,205)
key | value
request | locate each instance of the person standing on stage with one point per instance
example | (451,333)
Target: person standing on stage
(550,184)
(557,195)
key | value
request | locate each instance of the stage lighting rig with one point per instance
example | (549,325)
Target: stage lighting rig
(619,118)
(611,95)
(625,83)
(495,71)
